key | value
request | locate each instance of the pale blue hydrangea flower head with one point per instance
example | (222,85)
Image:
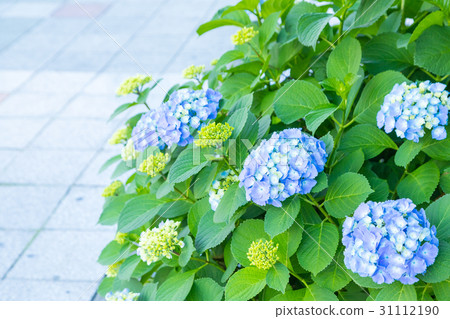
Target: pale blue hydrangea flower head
(218,187)
(124,295)
(389,241)
(174,121)
(409,109)
(284,165)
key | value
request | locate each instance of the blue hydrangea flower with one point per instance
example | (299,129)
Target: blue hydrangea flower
(410,108)
(389,241)
(284,165)
(174,121)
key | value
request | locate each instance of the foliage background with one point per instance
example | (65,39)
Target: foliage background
(299,71)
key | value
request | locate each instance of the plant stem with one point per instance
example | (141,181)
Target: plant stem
(231,167)
(430,75)
(145,103)
(202,260)
(182,194)
(298,277)
(321,209)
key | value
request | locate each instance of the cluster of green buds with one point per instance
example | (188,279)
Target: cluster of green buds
(128,152)
(132,84)
(214,134)
(159,242)
(113,269)
(154,164)
(113,189)
(120,238)
(243,36)
(263,254)
(120,136)
(191,72)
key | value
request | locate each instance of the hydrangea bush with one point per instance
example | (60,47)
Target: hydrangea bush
(310,162)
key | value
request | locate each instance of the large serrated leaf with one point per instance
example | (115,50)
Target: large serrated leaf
(346,193)
(344,59)
(245,284)
(420,184)
(279,219)
(318,247)
(397,292)
(367,137)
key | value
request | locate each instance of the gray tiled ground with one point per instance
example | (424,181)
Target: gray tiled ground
(58,74)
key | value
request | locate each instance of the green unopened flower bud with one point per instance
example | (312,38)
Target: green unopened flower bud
(193,71)
(214,62)
(262,254)
(213,134)
(243,36)
(120,238)
(112,189)
(113,269)
(128,152)
(131,84)
(120,136)
(154,164)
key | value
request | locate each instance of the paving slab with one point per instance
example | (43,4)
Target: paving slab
(63,255)
(23,104)
(19,132)
(46,290)
(37,203)
(12,242)
(46,167)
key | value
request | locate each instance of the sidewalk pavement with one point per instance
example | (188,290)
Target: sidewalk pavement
(59,69)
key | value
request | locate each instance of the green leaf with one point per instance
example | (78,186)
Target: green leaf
(369,11)
(189,162)
(279,219)
(346,193)
(290,295)
(278,277)
(433,50)
(197,211)
(229,57)
(268,28)
(296,99)
(352,162)
(367,137)
(434,18)
(440,269)
(120,169)
(316,293)
(112,253)
(204,180)
(296,11)
(245,284)
(439,150)
(249,5)
(318,247)
(120,110)
(127,268)
(186,252)
(382,54)
(237,85)
(445,181)
(406,153)
(148,292)
(210,234)
(137,212)
(373,95)
(316,117)
(344,59)
(397,292)
(322,183)
(112,208)
(334,276)
(176,287)
(438,214)
(133,285)
(205,289)
(233,198)
(380,189)
(174,208)
(237,121)
(109,162)
(420,184)
(366,282)
(247,232)
(210,25)
(392,23)
(442,290)
(310,26)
